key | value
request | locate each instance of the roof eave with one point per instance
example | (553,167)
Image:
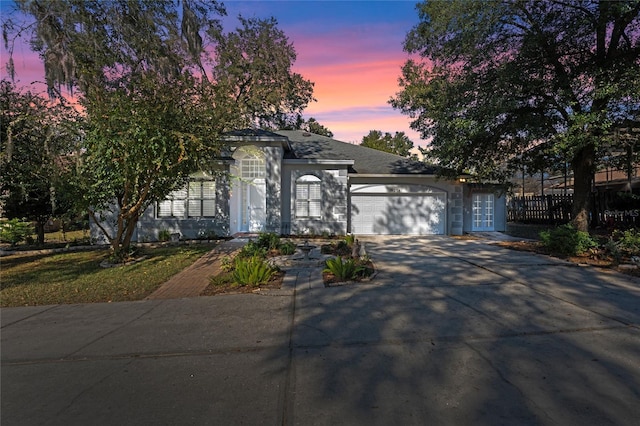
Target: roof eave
(324,161)
(396,175)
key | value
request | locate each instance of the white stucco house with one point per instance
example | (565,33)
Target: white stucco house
(295,182)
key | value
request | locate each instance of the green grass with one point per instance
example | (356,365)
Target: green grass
(77,277)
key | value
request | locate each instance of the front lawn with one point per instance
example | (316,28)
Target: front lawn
(77,277)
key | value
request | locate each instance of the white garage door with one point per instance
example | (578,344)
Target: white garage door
(398,214)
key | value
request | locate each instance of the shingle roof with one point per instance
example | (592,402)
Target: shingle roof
(309,146)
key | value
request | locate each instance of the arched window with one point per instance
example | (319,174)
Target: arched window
(308,197)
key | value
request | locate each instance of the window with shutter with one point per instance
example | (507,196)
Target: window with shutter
(308,203)
(196,199)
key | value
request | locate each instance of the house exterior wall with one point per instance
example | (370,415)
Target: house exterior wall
(334,199)
(108,220)
(149,225)
(273,180)
(447,199)
(456,210)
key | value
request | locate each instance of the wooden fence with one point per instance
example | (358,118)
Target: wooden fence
(608,209)
(543,209)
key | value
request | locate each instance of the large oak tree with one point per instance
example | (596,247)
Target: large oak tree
(496,77)
(253,72)
(158,81)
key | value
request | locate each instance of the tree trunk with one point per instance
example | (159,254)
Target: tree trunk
(128,231)
(583,169)
(40,231)
(116,242)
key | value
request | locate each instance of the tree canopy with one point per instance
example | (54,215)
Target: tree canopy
(252,70)
(497,77)
(39,140)
(158,81)
(398,144)
(312,125)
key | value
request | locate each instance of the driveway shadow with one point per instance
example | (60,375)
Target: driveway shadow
(441,338)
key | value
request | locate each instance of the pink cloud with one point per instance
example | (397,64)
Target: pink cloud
(355,71)
(29,68)
(365,83)
(351,124)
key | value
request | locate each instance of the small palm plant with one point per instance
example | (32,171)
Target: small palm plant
(252,271)
(287,248)
(343,269)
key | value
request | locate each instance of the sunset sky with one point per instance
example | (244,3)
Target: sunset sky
(351,50)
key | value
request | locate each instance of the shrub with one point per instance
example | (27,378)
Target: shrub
(268,240)
(565,240)
(287,248)
(252,271)
(612,248)
(628,241)
(13,231)
(339,248)
(226,264)
(347,269)
(252,249)
(350,239)
(164,235)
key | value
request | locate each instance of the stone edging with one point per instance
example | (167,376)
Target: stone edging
(101,247)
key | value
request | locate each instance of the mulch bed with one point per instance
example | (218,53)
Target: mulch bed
(274,283)
(596,258)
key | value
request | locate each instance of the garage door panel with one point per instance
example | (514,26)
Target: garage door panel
(398,214)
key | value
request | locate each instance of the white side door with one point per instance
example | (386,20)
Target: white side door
(482,214)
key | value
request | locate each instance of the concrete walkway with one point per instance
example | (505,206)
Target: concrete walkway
(450,332)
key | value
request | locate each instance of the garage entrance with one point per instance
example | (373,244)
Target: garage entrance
(397,210)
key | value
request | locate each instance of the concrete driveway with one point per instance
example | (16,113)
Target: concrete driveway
(449,332)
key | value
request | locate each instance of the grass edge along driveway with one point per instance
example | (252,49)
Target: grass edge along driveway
(77,277)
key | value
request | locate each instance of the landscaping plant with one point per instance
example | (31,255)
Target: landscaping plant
(226,264)
(252,249)
(628,241)
(14,231)
(566,240)
(623,244)
(268,240)
(164,235)
(344,269)
(252,271)
(287,248)
(339,248)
